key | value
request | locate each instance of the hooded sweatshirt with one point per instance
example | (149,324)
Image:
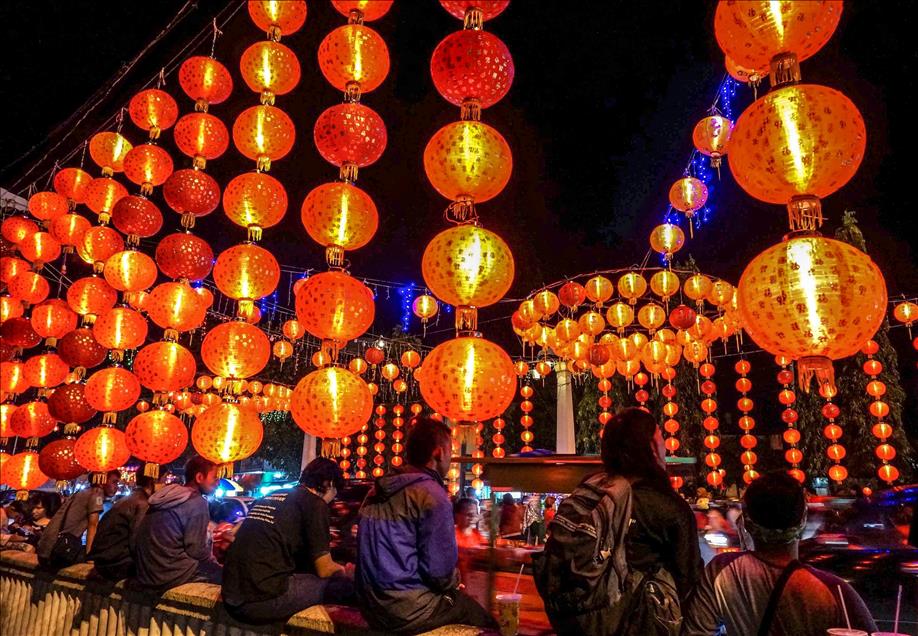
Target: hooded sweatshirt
(111,549)
(406,549)
(172,540)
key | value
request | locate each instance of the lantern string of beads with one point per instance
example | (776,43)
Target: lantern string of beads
(833,432)
(526,419)
(791,435)
(879,409)
(670,410)
(361,452)
(711,423)
(379,446)
(746,422)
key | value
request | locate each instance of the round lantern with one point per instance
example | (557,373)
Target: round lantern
(752,33)
(99,242)
(176,306)
(632,286)
(468,379)
(47,206)
(91,296)
(58,460)
(489,8)
(246,272)
(14,381)
(184,255)
(335,306)
(32,420)
(688,195)
(797,140)
(264,134)
(80,349)
(354,56)
(101,449)
(16,229)
(10,308)
(667,239)
(350,134)
(137,217)
(468,160)
(278,18)
(72,183)
(29,287)
(235,350)
(164,367)
(147,166)
(68,229)
(571,294)
(468,265)
(331,402)
(270,67)
(205,80)
(130,270)
(153,110)
(201,136)
(39,248)
(6,413)
(812,299)
(472,65)
(112,389)
(120,329)
(227,432)
(255,200)
(191,192)
(45,370)
(10,266)
(102,194)
(108,150)
(364,10)
(21,472)
(425,307)
(156,437)
(67,403)
(19,333)
(339,215)
(711,136)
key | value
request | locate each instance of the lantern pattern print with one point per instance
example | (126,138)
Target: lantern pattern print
(112,389)
(339,215)
(227,433)
(184,255)
(468,160)
(879,409)
(246,273)
(331,402)
(335,306)
(153,110)
(235,350)
(472,65)
(354,57)
(156,437)
(58,461)
(205,80)
(102,449)
(164,366)
(255,200)
(270,67)
(350,134)
(202,137)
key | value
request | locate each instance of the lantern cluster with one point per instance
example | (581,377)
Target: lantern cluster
(746,422)
(833,433)
(791,435)
(711,424)
(879,409)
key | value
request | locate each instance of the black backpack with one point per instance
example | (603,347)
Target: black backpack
(583,575)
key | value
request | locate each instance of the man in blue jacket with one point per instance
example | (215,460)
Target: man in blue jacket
(407,579)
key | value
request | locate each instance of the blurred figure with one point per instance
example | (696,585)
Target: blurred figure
(226,518)
(768,591)
(533,527)
(112,549)
(465,515)
(549,513)
(511,518)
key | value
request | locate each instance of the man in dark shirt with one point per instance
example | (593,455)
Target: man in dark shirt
(280,562)
(111,550)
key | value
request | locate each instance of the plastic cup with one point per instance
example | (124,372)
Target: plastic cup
(844,631)
(508,613)
(888,634)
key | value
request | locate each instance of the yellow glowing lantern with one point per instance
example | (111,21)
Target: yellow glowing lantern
(270,68)
(120,329)
(721,293)
(619,316)
(697,287)
(331,402)
(354,57)
(339,216)
(688,195)
(227,432)
(255,200)
(264,134)
(906,312)
(591,323)
(468,160)
(235,349)
(664,284)
(667,239)
(546,302)
(632,286)
(599,289)
(108,150)
(335,306)
(246,273)
(130,271)
(651,316)
(425,307)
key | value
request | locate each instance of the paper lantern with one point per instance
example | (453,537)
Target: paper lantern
(667,239)
(10,266)
(800,140)
(489,8)
(47,206)
(165,366)
(32,420)
(632,286)
(21,472)
(331,402)
(813,300)
(16,229)
(153,110)
(711,136)
(201,136)
(364,10)
(293,330)
(130,270)
(472,65)
(278,18)
(102,194)
(264,134)
(235,350)
(72,183)
(752,33)
(255,200)
(425,307)
(108,150)
(14,381)
(147,166)
(339,215)
(283,350)
(67,403)
(157,437)
(468,379)
(68,229)
(354,56)
(468,160)
(335,306)
(99,243)
(571,294)
(205,80)
(682,317)
(467,265)
(19,333)
(91,296)
(191,192)
(137,216)
(45,370)
(270,67)
(101,449)
(80,349)
(906,312)
(246,272)
(58,460)
(688,195)
(39,248)
(10,308)
(721,293)
(697,287)
(112,389)
(6,412)
(350,134)
(227,433)
(29,287)
(176,306)
(184,255)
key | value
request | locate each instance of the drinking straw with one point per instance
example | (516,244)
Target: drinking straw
(841,595)
(898,606)
(522,565)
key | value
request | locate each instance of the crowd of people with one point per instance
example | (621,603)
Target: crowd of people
(621,551)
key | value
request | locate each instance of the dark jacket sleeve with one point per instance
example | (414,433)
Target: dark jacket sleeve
(683,537)
(197,544)
(437,551)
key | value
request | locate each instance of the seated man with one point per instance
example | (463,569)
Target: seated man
(406,572)
(111,551)
(768,588)
(280,562)
(172,545)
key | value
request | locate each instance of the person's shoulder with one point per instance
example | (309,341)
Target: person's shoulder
(823,578)
(726,560)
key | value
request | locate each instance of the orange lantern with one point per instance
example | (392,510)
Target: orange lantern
(227,432)
(812,299)
(112,389)
(16,229)
(156,437)
(468,378)
(147,166)
(32,420)
(137,217)
(335,306)
(91,296)
(270,68)
(246,273)
(184,255)
(68,229)
(293,330)
(697,287)
(10,266)
(688,195)
(353,58)
(45,370)
(278,18)
(339,216)
(47,206)
(72,183)
(357,365)
(58,460)
(255,200)
(108,150)
(283,350)
(350,133)
(165,366)
(19,333)
(202,137)
(411,359)
(205,80)
(264,134)
(102,194)
(6,413)
(632,286)
(176,306)
(29,287)
(906,312)
(711,136)
(331,402)
(10,308)
(40,248)
(363,10)
(472,65)
(425,307)
(99,243)
(467,265)
(374,356)
(101,449)
(235,350)
(468,161)
(130,271)
(22,473)
(153,110)
(667,239)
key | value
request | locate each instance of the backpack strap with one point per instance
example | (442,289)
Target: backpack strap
(772,607)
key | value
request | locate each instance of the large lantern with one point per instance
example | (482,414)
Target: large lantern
(91,296)
(102,194)
(29,287)
(67,403)
(80,349)
(176,306)
(335,306)
(100,242)
(156,437)
(184,255)
(246,273)
(120,329)
(16,229)
(47,206)
(255,200)
(350,134)
(68,229)
(227,432)
(153,110)
(331,402)
(21,472)
(137,216)
(813,300)
(270,68)
(58,460)
(45,370)
(130,271)
(468,160)
(339,216)
(472,65)
(205,80)
(191,193)
(39,248)
(468,379)
(202,137)
(165,366)
(32,419)
(235,349)
(264,134)
(72,183)
(112,389)
(147,166)
(101,449)
(108,150)
(354,56)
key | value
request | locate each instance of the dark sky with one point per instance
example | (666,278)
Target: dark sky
(599,120)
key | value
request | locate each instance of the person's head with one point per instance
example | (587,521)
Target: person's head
(774,510)
(20,512)
(324,476)
(470,492)
(465,512)
(430,445)
(549,502)
(632,446)
(111,483)
(228,511)
(201,473)
(146,483)
(44,505)
(507,499)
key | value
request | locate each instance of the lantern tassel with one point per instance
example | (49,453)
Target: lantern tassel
(98,479)
(331,447)
(22,495)
(818,367)
(151,469)
(225,470)
(60,484)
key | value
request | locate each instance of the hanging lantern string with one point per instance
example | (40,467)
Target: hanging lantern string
(73,122)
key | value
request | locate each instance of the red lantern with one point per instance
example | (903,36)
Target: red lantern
(235,350)
(58,460)
(164,367)
(153,110)
(201,136)
(108,150)
(375,356)
(91,296)
(335,306)
(68,229)
(472,65)
(16,229)
(191,192)
(278,18)
(80,349)
(137,216)
(6,414)
(147,166)
(112,389)
(9,308)
(72,183)
(682,317)
(350,134)
(19,333)
(130,271)
(176,306)
(32,420)
(264,134)
(205,80)
(339,215)
(688,195)
(354,56)
(29,287)
(21,472)
(331,402)
(45,370)
(246,272)
(47,206)
(10,266)
(157,437)
(270,67)
(101,449)
(571,294)
(102,194)
(120,329)
(711,136)
(184,255)
(39,248)
(67,403)
(227,432)
(255,200)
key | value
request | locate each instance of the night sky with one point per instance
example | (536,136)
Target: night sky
(599,119)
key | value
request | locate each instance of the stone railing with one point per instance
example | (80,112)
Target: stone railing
(73,602)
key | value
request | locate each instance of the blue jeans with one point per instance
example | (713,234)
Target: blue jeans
(303,590)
